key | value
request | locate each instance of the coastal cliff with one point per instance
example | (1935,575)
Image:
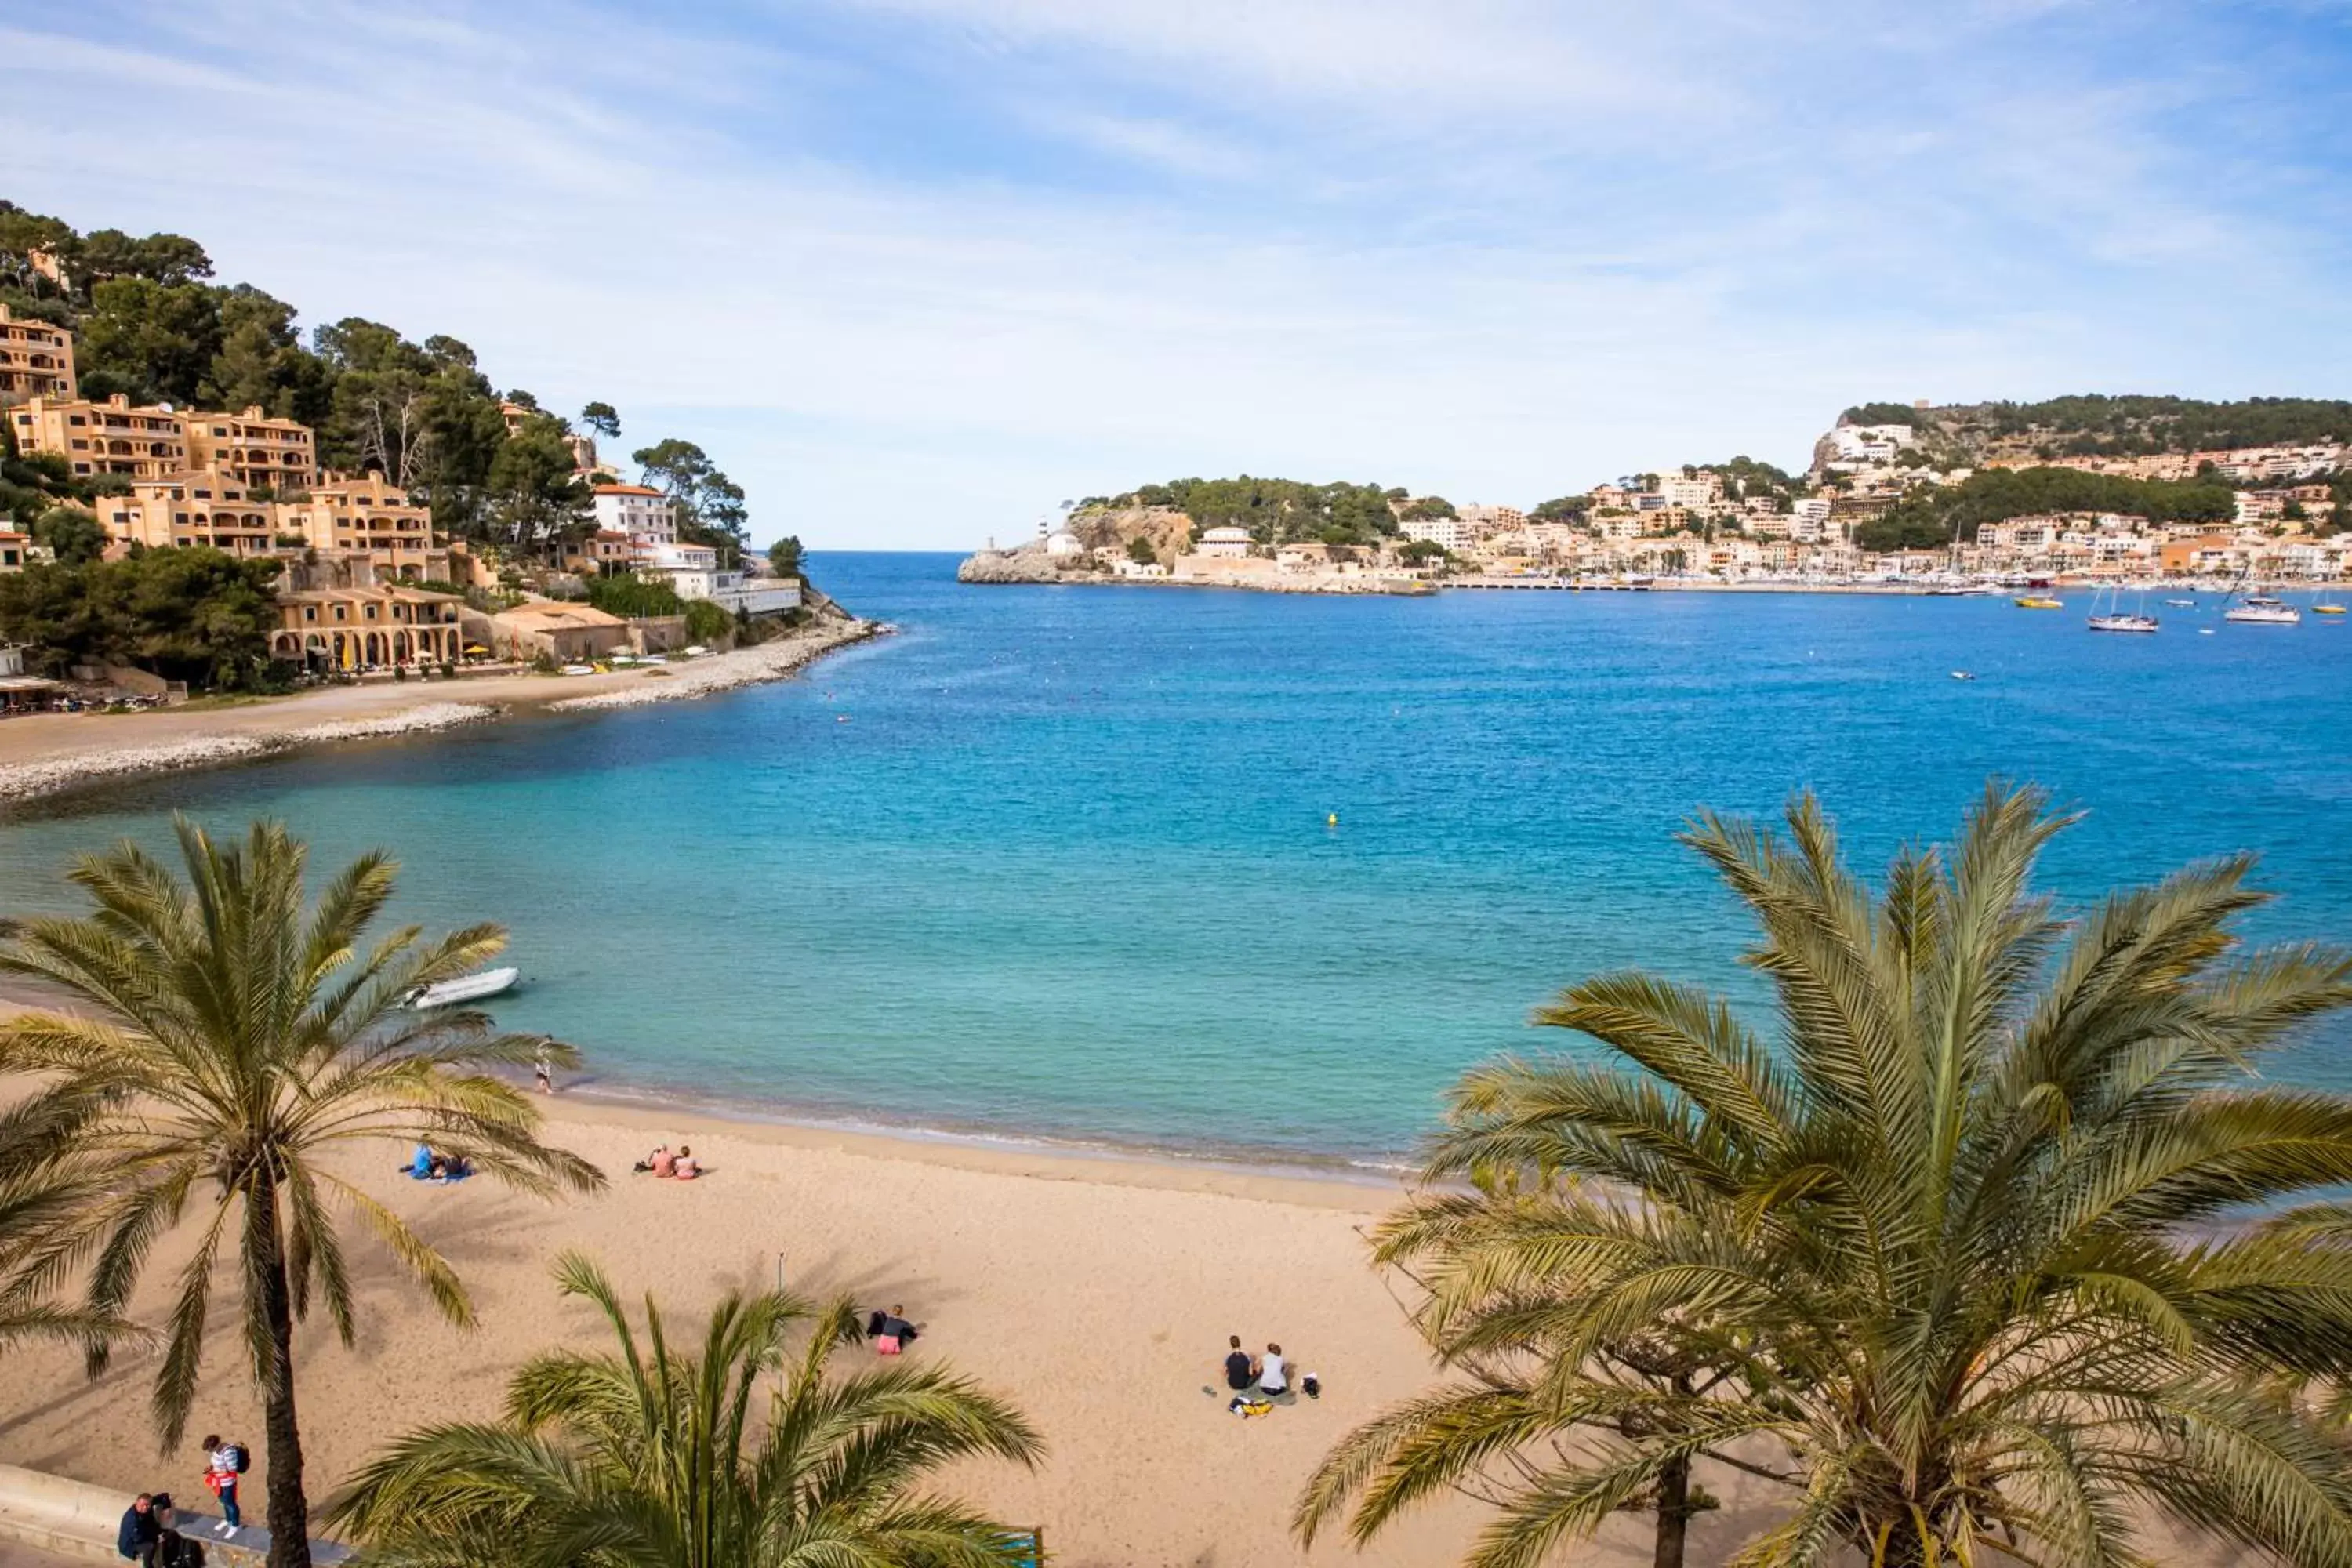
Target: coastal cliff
(1029,564)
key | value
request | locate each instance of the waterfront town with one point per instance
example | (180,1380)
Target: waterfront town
(366,587)
(2270,514)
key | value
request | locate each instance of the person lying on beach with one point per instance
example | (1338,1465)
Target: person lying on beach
(894,1333)
(1241,1370)
(642,1167)
(687,1166)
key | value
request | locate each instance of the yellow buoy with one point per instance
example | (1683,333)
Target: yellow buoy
(1332,820)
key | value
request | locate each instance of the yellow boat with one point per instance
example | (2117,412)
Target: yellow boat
(2326,609)
(2039,602)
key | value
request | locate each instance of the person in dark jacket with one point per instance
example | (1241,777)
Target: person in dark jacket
(141,1532)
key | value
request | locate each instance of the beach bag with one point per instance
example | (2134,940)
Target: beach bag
(886,1344)
(179,1552)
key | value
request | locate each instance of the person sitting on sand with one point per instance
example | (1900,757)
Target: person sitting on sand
(896,1333)
(1273,1372)
(1240,1372)
(647,1162)
(663,1163)
(420,1164)
(687,1166)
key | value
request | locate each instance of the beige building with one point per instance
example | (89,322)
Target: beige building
(367,513)
(348,517)
(601,551)
(36,360)
(333,614)
(14,550)
(253,450)
(190,507)
(564,632)
(109,437)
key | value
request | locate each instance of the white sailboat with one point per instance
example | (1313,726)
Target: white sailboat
(2259,609)
(2118,619)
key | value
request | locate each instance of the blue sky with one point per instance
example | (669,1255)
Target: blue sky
(914,270)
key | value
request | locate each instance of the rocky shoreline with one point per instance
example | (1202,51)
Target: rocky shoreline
(726,671)
(1030,566)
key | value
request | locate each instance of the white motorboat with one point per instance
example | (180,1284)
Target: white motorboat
(464,988)
(2256,609)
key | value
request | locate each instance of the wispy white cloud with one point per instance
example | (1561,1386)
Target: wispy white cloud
(916,268)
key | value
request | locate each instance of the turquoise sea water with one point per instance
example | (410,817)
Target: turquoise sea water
(1065,868)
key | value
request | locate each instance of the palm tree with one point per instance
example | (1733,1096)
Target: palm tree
(44,1181)
(230,1040)
(648,1456)
(1997,1244)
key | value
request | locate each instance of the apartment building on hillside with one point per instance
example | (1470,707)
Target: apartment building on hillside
(191,507)
(109,437)
(638,510)
(363,512)
(36,360)
(253,450)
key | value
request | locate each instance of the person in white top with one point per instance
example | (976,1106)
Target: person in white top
(1273,1372)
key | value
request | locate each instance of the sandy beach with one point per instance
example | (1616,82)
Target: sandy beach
(1097,1293)
(44,753)
(1094,1291)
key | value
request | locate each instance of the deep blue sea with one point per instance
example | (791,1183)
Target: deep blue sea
(1058,861)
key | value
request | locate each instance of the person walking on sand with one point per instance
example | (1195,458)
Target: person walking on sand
(224,1462)
(543,1071)
(142,1534)
(1241,1370)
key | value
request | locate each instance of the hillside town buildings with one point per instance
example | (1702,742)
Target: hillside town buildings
(37,359)
(252,448)
(249,484)
(108,437)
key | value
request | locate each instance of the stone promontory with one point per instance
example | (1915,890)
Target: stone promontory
(1157,546)
(1029,564)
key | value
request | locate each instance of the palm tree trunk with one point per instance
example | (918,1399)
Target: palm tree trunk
(1673,1514)
(289,1509)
